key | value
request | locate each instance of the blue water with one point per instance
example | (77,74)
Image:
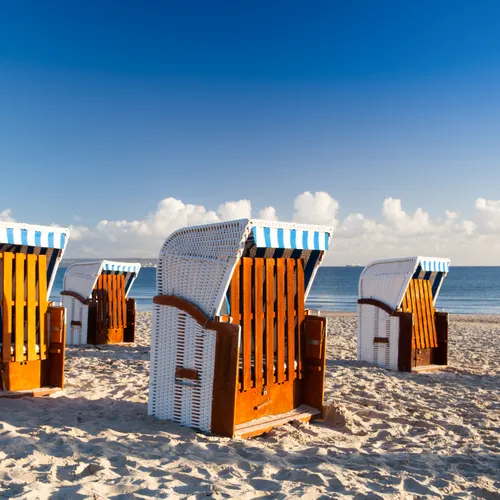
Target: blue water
(470,290)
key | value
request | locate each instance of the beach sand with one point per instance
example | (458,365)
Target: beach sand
(387,434)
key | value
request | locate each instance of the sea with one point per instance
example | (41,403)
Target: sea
(465,290)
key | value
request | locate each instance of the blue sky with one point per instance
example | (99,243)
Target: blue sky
(106,108)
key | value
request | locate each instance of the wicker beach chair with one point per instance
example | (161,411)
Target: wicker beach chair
(398,326)
(95,296)
(233,349)
(31,329)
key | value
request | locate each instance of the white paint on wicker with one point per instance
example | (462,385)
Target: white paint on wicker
(196,264)
(387,281)
(81,278)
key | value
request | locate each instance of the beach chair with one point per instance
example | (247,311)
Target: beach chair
(95,296)
(398,326)
(233,349)
(31,329)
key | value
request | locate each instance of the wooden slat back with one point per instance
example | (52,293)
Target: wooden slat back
(42,305)
(109,293)
(19,302)
(266,297)
(24,306)
(7,303)
(247,381)
(31,307)
(418,300)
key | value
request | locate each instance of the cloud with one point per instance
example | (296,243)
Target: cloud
(317,208)
(489,215)
(5,215)
(268,213)
(393,232)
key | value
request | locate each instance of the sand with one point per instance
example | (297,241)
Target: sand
(387,435)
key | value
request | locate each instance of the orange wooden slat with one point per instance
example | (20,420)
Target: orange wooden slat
(290,311)
(234,298)
(269,312)
(31,307)
(423,313)
(258,320)
(7,259)
(280,319)
(427,290)
(300,314)
(114,299)
(246,326)
(42,304)
(430,315)
(19,304)
(419,313)
(119,315)
(416,325)
(124,302)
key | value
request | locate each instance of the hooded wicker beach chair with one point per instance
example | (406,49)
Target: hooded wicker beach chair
(95,296)
(31,330)
(233,349)
(398,326)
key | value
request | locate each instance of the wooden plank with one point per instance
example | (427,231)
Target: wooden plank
(225,386)
(124,302)
(303,413)
(290,322)
(423,312)
(280,319)
(258,320)
(31,307)
(114,300)
(300,315)
(419,315)
(119,313)
(19,303)
(234,299)
(269,312)
(57,334)
(413,308)
(7,259)
(246,327)
(430,315)
(42,303)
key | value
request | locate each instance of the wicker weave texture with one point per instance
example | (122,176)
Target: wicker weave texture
(374,322)
(186,344)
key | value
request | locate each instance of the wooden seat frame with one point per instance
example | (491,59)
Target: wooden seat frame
(33,332)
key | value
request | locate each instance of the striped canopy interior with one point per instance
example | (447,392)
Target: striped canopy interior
(273,237)
(435,265)
(36,240)
(433,270)
(277,242)
(130,270)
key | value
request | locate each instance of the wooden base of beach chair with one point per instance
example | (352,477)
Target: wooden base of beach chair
(34,393)
(303,413)
(35,366)
(102,315)
(428,368)
(411,356)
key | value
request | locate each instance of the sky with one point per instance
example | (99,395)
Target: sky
(127,120)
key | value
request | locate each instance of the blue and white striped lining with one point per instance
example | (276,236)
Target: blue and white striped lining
(32,237)
(124,268)
(435,265)
(272,237)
